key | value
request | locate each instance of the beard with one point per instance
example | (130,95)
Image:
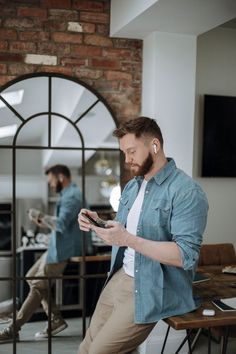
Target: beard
(59,187)
(142,169)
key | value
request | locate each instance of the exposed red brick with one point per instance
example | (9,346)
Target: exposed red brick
(53,25)
(88,27)
(131,66)
(7,11)
(105,63)
(3,45)
(10,57)
(21,69)
(127,43)
(103,29)
(110,65)
(118,75)
(117,53)
(63,4)
(3,68)
(88,73)
(67,37)
(86,51)
(64,15)
(94,17)
(73,62)
(57,69)
(53,48)
(7,34)
(107,6)
(5,79)
(34,36)
(31,12)
(23,47)
(33,2)
(107,86)
(19,23)
(87,5)
(97,40)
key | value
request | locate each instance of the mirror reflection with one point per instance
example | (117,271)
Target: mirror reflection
(45,120)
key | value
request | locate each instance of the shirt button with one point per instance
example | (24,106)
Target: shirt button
(136,270)
(136,291)
(146,192)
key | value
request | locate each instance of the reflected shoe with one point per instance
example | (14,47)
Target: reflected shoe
(6,335)
(57,325)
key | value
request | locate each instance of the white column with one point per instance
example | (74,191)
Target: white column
(169,75)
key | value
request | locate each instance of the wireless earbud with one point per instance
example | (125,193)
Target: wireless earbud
(155,148)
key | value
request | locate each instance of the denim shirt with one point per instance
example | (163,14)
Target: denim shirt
(174,209)
(67,240)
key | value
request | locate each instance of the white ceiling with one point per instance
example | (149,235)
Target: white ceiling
(130,19)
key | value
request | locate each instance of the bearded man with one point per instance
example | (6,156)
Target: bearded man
(156,239)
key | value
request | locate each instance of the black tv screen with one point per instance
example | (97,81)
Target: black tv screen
(219,136)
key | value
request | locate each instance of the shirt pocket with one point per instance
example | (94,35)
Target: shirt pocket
(160,210)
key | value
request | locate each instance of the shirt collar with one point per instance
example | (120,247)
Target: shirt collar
(163,174)
(64,190)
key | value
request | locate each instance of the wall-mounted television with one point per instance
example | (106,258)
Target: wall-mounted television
(219,136)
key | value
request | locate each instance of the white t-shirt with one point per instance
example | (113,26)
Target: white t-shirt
(131,226)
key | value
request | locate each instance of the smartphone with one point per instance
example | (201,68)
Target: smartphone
(99,222)
(223,306)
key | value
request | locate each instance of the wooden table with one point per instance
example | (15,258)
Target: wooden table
(219,286)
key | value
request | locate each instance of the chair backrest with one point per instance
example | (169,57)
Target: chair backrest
(217,254)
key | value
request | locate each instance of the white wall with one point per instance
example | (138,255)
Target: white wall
(216,74)
(169,68)
(177,71)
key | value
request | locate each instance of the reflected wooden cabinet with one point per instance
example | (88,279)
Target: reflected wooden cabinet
(67,292)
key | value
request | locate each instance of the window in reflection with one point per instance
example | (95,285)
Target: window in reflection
(58,120)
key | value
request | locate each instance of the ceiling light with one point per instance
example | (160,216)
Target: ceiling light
(8,130)
(13,98)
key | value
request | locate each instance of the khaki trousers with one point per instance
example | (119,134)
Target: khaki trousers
(112,329)
(39,291)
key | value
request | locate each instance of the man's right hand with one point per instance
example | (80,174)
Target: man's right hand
(84,223)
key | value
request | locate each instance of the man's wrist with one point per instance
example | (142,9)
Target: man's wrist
(130,240)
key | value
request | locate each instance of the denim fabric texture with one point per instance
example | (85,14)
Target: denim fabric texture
(66,241)
(174,209)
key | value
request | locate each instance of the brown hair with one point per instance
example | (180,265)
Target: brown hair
(57,169)
(142,126)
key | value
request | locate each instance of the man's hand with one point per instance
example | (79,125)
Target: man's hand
(114,233)
(84,223)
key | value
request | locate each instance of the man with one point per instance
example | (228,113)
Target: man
(65,242)
(156,239)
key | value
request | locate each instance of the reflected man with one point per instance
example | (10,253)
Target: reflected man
(65,242)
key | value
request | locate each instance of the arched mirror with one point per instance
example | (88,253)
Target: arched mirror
(47,119)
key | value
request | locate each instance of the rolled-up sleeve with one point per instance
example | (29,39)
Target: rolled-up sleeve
(188,222)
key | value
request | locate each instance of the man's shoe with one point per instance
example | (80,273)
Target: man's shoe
(57,325)
(6,335)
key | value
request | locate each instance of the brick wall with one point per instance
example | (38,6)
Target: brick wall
(71,37)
